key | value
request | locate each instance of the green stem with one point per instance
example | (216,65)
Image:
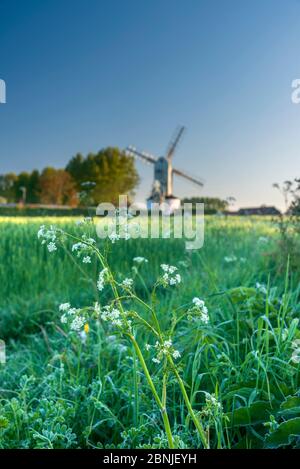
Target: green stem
(196,421)
(161,406)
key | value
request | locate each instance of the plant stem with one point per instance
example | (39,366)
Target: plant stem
(161,406)
(196,421)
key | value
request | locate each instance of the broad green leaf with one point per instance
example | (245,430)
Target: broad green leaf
(258,412)
(284,434)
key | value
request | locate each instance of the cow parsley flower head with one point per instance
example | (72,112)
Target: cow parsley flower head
(64,307)
(155,360)
(230,259)
(112,316)
(261,288)
(77,323)
(170,275)
(212,405)
(64,319)
(52,247)
(164,349)
(140,260)
(199,311)
(176,354)
(262,240)
(102,279)
(86,260)
(295,358)
(73,315)
(114,237)
(127,283)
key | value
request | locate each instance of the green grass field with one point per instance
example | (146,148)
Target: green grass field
(58,390)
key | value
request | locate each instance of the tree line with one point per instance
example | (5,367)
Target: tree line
(98,177)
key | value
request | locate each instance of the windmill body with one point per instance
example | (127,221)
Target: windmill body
(162,189)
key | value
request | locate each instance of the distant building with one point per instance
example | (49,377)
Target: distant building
(263,210)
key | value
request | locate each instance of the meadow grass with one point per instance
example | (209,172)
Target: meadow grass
(58,391)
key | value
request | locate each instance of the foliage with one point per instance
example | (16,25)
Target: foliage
(61,389)
(99,177)
(288,224)
(57,187)
(111,171)
(212,204)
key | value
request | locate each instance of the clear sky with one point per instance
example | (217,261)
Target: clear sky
(82,75)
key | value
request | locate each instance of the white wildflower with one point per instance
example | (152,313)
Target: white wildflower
(263,240)
(230,259)
(155,360)
(86,260)
(77,323)
(176,354)
(295,358)
(212,403)
(97,308)
(261,288)
(168,343)
(77,247)
(140,260)
(111,315)
(127,283)
(200,309)
(168,277)
(114,237)
(198,302)
(64,307)
(102,279)
(64,319)
(147,347)
(52,247)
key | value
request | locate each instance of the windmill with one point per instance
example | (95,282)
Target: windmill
(162,190)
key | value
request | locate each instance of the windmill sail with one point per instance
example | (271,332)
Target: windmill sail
(163,168)
(174,143)
(145,157)
(187,176)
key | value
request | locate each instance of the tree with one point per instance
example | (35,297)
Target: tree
(211,204)
(7,186)
(57,187)
(112,172)
(27,187)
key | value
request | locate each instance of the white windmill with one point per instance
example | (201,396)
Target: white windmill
(162,190)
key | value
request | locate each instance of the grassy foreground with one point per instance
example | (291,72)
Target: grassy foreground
(241,371)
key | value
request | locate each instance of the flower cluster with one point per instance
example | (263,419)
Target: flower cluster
(112,315)
(198,311)
(232,259)
(261,288)
(212,406)
(72,315)
(163,349)
(263,240)
(103,275)
(127,283)
(170,275)
(84,248)
(140,260)
(49,236)
(296,351)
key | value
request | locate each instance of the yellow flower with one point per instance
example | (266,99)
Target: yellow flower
(86,328)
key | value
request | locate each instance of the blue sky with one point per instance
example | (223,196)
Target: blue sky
(82,75)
